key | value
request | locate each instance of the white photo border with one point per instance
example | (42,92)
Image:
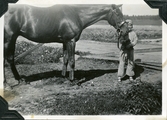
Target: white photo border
(108,117)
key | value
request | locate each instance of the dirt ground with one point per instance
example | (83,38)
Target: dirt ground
(94,77)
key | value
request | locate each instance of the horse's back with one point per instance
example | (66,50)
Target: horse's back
(43,23)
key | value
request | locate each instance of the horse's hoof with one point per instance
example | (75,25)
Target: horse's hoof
(13,86)
(7,86)
(79,84)
(81,81)
(22,82)
(74,81)
(71,80)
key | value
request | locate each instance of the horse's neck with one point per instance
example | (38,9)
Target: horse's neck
(93,14)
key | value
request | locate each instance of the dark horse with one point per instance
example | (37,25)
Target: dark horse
(58,23)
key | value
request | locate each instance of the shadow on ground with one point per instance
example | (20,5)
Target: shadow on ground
(80,75)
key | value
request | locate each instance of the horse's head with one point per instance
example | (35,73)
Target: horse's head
(115,16)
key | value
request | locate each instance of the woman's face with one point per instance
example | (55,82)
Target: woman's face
(130,26)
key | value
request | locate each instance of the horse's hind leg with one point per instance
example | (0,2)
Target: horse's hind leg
(71,58)
(9,50)
(65,59)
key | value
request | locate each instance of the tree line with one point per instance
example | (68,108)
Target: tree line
(145,19)
(142,17)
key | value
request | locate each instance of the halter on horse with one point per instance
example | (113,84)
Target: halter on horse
(58,23)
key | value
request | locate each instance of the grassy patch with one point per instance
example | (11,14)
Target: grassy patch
(148,32)
(99,34)
(43,54)
(142,99)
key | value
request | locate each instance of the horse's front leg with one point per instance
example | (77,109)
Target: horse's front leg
(9,49)
(71,57)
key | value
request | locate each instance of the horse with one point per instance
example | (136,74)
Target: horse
(58,23)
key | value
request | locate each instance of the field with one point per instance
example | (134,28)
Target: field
(106,33)
(95,90)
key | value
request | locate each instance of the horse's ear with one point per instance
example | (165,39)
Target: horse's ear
(116,6)
(120,5)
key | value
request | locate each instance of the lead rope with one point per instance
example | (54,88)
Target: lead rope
(118,37)
(118,43)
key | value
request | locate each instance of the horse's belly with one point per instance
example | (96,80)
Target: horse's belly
(43,39)
(48,40)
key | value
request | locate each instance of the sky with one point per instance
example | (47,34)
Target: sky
(130,7)
(138,9)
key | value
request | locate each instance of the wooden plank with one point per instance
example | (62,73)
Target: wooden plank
(148,50)
(28,51)
(150,66)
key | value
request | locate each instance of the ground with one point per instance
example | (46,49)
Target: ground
(95,90)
